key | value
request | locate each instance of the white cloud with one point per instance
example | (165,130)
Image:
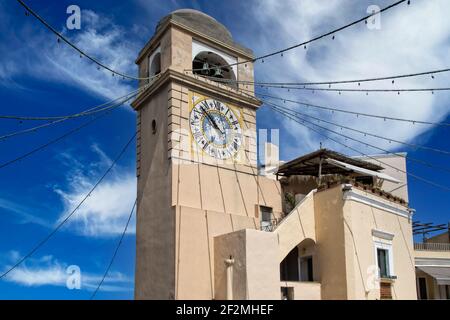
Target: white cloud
(106,211)
(412,39)
(57,62)
(48,271)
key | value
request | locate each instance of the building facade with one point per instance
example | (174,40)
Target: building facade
(210,226)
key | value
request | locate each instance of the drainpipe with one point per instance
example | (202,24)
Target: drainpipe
(229,265)
(320,171)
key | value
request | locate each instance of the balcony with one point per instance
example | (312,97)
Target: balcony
(300,290)
(432,246)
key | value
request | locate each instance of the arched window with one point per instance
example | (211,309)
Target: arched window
(155,63)
(212,65)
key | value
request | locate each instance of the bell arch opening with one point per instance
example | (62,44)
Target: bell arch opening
(155,63)
(212,65)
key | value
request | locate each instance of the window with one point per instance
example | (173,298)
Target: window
(384,254)
(153,126)
(306,269)
(383,262)
(266,218)
(154,63)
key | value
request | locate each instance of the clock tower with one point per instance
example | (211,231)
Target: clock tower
(196,154)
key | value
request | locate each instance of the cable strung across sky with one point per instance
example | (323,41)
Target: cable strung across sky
(115,252)
(81,52)
(87,112)
(359,152)
(356,113)
(98,109)
(60,224)
(358,81)
(303,44)
(424,163)
(369,134)
(59,138)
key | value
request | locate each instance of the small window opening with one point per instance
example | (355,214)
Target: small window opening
(155,65)
(154,126)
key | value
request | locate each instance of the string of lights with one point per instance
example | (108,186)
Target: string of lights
(49,143)
(356,113)
(36,128)
(62,222)
(425,163)
(60,37)
(305,43)
(340,90)
(390,140)
(74,115)
(432,73)
(437,185)
(119,243)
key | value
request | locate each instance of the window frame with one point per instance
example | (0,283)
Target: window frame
(384,245)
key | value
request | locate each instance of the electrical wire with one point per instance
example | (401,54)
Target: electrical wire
(361,153)
(330,33)
(383,117)
(81,52)
(432,90)
(359,81)
(74,115)
(115,252)
(45,145)
(98,110)
(412,145)
(425,163)
(62,222)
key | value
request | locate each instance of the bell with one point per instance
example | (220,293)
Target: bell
(205,69)
(218,73)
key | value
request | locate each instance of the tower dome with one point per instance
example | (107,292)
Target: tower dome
(202,23)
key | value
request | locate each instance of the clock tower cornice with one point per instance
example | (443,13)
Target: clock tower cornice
(198,84)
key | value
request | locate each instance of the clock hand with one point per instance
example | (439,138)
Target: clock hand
(211,119)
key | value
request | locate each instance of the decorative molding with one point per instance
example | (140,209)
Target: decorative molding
(432,262)
(351,195)
(382,234)
(198,84)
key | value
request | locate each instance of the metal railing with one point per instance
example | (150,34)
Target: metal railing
(432,246)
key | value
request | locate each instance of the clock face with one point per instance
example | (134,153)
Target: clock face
(216,128)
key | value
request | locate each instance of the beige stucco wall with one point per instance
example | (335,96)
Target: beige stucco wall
(255,270)
(330,244)
(155,227)
(359,221)
(297,226)
(304,290)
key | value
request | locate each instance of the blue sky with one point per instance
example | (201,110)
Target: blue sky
(40,77)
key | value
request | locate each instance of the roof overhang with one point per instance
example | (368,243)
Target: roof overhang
(440,273)
(353,168)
